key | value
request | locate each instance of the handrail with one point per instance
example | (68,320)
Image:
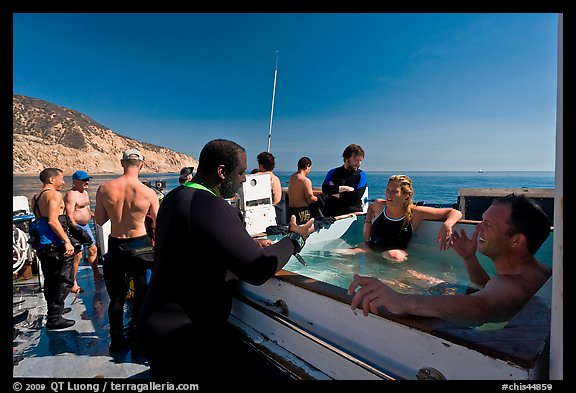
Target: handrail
(304,332)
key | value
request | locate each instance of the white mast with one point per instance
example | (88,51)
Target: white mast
(272,111)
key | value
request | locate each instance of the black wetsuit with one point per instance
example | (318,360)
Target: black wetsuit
(58,270)
(183,323)
(281,214)
(389,233)
(120,265)
(348,202)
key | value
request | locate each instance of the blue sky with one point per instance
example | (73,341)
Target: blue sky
(416,91)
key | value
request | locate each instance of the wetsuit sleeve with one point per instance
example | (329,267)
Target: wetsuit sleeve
(360,189)
(242,256)
(363,182)
(327,188)
(353,200)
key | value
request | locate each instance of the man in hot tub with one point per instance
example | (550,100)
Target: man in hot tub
(512,230)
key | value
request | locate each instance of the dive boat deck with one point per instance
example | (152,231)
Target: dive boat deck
(80,351)
(302,328)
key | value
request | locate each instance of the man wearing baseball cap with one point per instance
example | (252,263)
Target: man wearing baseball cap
(132,154)
(80,213)
(126,201)
(81,175)
(186,174)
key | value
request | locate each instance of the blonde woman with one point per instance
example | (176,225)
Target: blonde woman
(390,222)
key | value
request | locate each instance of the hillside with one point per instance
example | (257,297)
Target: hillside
(48,135)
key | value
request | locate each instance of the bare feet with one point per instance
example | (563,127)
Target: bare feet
(348,251)
(424,277)
(395,255)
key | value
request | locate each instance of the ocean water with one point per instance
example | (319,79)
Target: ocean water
(427,270)
(429,187)
(442,187)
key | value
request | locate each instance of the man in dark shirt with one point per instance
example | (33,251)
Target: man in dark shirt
(201,239)
(344,186)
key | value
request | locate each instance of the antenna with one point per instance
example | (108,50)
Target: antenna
(272,110)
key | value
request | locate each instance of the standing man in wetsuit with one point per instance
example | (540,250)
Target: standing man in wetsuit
(200,240)
(125,201)
(80,213)
(57,261)
(344,186)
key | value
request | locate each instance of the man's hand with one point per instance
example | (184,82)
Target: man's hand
(303,230)
(69,249)
(463,246)
(373,294)
(345,189)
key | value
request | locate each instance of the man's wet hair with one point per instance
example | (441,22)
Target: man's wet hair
(527,218)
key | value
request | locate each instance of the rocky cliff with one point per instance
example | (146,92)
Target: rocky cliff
(48,135)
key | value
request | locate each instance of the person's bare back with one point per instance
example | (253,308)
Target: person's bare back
(300,193)
(126,201)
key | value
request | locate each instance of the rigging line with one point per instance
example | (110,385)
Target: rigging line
(272,110)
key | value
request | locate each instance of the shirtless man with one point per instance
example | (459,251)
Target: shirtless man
(300,193)
(125,201)
(266,164)
(56,260)
(78,209)
(512,230)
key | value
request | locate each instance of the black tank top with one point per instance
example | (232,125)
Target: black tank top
(389,233)
(63,218)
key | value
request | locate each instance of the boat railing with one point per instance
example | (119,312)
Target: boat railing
(297,328)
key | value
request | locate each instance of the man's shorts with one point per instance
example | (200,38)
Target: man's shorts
(86,228)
